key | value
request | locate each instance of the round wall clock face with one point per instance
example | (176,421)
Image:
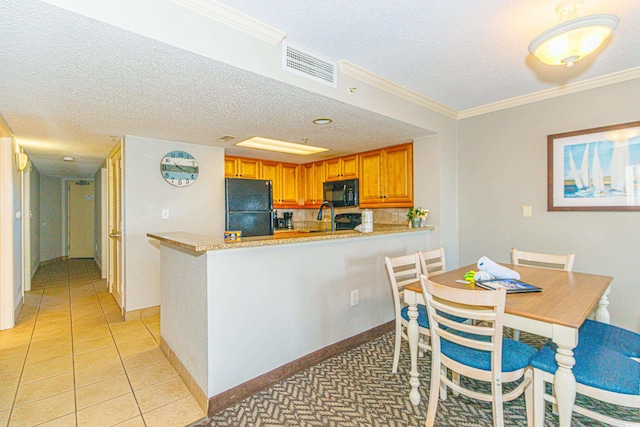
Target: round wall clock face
(179,168)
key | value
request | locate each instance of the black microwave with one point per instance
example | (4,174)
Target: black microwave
(341,193)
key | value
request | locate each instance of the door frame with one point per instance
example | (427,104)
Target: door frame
(68,184)
(7,319)
(117,263)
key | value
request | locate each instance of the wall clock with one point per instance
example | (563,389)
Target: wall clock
(179,168)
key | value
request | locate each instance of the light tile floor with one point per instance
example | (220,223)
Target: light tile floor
(71,360)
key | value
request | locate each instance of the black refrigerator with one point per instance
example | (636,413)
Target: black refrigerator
(249,206)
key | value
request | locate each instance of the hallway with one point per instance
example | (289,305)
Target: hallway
(71,360)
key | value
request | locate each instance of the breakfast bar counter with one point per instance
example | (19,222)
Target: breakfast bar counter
(235,320)
(203,243)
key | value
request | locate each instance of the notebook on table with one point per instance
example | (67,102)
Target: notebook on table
(513,286)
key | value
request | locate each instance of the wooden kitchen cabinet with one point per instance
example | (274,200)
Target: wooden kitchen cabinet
(386,177)
(285,177)
(341,168)
(241,167)
(313,176)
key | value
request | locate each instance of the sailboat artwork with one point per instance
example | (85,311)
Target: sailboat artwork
(607,169)
(595,169)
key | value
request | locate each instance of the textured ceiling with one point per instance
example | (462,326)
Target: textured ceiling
(462,53)
(70,84)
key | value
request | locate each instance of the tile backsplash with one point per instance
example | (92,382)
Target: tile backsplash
(381,216)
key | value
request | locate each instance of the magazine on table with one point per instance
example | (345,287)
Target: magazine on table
(513,286)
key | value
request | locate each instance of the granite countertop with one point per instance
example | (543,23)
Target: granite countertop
(202,243)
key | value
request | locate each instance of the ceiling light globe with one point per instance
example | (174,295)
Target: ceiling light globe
(572,40)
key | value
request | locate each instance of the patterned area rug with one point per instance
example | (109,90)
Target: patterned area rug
(357,388)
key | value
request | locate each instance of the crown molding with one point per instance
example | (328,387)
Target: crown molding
(596,82)
(375,80)
(235,19)
(5,130)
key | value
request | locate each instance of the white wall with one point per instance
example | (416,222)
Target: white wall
(503,166)
(198,208)
(97,218)
(50,218)
(17,231)
(34,194)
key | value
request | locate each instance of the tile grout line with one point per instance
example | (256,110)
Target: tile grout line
(24,362)
(118,351)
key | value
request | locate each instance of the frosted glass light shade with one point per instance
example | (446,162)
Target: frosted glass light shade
(571,41)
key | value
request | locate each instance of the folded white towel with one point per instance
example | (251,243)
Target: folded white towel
(497,270)
(482,275)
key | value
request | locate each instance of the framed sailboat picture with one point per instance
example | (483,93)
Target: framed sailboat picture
(595,169)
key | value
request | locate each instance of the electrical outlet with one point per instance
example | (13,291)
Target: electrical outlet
(526,211)
(165,213)
(354,298)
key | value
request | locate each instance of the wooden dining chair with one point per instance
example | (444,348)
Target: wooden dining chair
(475,350)
(432,262)
(402,271)
(540,260)
(535,259)
(601,373)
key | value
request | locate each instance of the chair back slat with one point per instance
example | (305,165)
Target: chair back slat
(541,260)
(432,262)
(444,302)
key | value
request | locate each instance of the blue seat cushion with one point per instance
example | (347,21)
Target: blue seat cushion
(596,366)
(515,354)
(423,318)
(609,336)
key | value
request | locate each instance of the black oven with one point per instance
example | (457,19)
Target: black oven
(341,193)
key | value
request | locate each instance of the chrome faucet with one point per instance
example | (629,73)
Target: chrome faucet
(333,216)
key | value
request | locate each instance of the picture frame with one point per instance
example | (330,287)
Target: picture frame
(594,169)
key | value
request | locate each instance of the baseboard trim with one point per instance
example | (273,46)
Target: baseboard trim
(142,313)
(54,260)
(255,385)
(18,309)
(190,382)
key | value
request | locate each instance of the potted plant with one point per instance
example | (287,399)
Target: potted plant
(415,215)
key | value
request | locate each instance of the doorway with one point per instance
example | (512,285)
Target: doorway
(81,199)
(115,279)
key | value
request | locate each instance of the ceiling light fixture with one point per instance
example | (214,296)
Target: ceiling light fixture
(280,146)
(68,159)
(574,38)
(322,121)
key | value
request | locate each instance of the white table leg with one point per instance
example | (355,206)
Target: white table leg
(413,332)
(602,313)
(565,384)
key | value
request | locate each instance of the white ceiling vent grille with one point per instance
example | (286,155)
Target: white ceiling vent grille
(224,138)
(309,64)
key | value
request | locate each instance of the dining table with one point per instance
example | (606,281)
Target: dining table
(557,312)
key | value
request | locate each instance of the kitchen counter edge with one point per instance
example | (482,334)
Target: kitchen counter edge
(203,243)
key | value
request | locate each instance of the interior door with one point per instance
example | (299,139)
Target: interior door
(116,282)
(81,218)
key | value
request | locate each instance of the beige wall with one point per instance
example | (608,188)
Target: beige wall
(198,208)
(51,230)
(503,166)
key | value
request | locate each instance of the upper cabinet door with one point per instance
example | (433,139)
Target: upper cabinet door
(386,177)
(341,168)
(399,175)
(312,179)
(371,175)
(349,167)
(241,167)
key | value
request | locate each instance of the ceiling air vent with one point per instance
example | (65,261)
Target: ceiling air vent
(309,64)
(225,138)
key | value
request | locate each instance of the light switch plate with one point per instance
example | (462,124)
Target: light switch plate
(526,211)
(165,213)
